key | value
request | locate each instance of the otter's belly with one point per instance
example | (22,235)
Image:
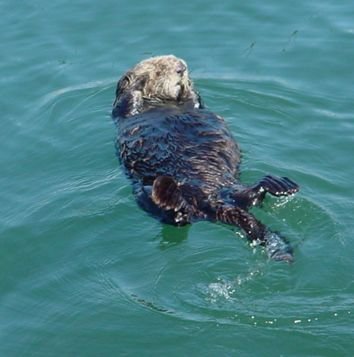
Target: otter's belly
(193,146)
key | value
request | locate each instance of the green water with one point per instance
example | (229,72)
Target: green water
(85,272)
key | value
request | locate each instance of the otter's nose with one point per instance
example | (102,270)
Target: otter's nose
(181,68)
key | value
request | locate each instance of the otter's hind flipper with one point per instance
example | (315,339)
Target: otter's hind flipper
(276,247)
(169,195)
(276,186)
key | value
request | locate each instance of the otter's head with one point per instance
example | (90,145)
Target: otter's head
(156,81)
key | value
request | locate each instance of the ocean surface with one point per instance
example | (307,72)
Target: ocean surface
(85,272)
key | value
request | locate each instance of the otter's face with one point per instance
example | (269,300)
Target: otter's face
(157,80)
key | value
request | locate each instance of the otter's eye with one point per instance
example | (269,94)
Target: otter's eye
(181,68)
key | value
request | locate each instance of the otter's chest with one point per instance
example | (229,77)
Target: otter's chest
(167,142)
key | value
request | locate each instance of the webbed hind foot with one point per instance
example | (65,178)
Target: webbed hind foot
(254,195)
(277,186)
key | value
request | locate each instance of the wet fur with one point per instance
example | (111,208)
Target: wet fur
(182,158)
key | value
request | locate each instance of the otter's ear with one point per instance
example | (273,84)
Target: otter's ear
(124,83)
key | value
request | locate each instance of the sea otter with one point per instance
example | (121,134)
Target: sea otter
(181,157)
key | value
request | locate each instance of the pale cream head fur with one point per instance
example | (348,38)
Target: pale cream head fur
(158,79)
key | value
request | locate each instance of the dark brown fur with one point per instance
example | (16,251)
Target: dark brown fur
(182,158)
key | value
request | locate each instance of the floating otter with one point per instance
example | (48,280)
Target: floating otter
(182,158)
